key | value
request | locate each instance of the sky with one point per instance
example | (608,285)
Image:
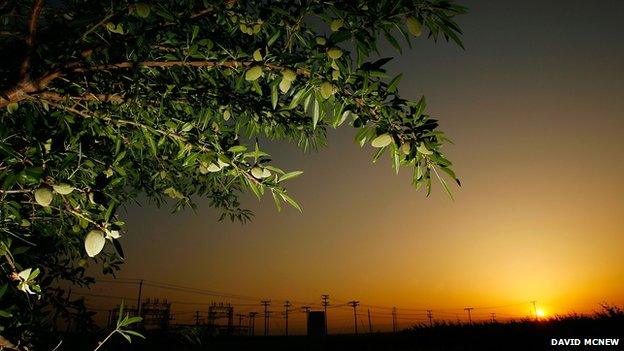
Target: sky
(534,106)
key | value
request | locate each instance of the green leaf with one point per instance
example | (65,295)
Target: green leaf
(238,149)
(378,154)
(445,186)
(5,314)
(343,118)
(292,202)
(274,95)
(316,113)
(290,175)
(134,333)
(277,201)
(3,289)
(254,188)
(297,98)
(127,337)
(130,320)
(394,83)
(423,149)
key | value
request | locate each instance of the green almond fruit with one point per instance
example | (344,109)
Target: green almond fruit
(266,173)
(327,90)
(63,189)
(253,73)
(222,164)
(335,75)
(12,107)
(213,167)
(321,40)
(289,75)
(43,196)
(334,53)
(94,242)
(142,10)
(382,140)
(257,55)
(203,168)
(336,24)
(284,85)
(405,148)
(413,26)
(257,172)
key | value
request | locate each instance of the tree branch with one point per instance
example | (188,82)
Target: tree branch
(30,39)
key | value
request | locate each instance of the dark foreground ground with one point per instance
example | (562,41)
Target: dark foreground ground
(521,335)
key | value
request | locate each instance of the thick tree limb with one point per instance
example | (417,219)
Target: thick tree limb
(30,39)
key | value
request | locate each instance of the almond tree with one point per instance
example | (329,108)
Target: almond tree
(104,100)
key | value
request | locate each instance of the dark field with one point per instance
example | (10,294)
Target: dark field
(519,335)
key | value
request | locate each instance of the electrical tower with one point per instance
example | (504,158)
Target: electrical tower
(252,323)
(370,324)
(240,323)
(430,316)
(286,310)
(469,315)
(325,303)
(266,304)
(493,315)
(354,304)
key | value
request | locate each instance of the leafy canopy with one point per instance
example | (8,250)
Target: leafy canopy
(104,100)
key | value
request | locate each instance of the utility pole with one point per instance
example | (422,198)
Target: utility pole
(534,309)
(430,316)
(286,310)
(370,325)
(252,323)
(306,309)
(325,302)
(266,304)
(139,298)
(354,304)
(240,323)
(394,319)
(493,315)
(469,315)
(196,317)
